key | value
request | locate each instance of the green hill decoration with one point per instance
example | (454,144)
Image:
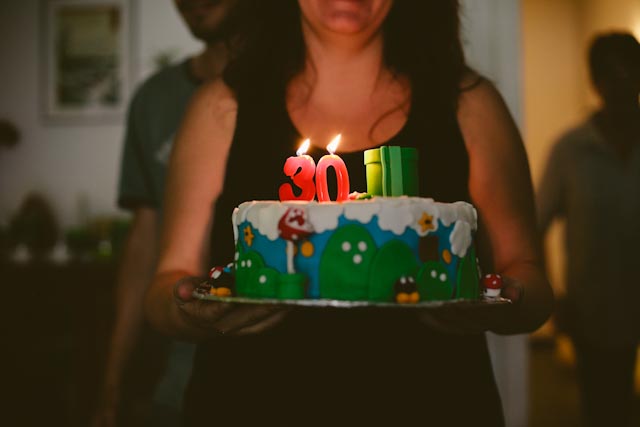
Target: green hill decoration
(393,260)
(253,279)
(433,282)
(468,286)
(345,263)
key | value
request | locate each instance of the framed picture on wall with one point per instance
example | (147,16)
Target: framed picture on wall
(87,55)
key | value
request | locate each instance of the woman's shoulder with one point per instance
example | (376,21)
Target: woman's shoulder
(482,112)
(209,122)
(217,96)
(477,91)
(212,110)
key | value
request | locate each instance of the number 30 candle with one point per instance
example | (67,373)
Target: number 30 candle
(342,175)
(301,170)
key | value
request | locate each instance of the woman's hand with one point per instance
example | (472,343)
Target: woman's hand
(219,318)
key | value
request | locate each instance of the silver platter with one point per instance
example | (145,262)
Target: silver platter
(331,303)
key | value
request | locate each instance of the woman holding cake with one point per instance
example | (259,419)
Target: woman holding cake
(381,72)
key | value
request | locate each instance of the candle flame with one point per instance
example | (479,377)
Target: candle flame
(303,147)
(333,145)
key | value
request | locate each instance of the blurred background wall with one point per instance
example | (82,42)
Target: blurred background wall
(74,166)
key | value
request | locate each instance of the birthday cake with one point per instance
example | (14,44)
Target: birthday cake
(385,249)
(389,248)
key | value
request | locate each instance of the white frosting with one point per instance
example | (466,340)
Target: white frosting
(234,220)
(394,214)
(324,216)
(459,211)
(362,212)
(395,217)
(460,238)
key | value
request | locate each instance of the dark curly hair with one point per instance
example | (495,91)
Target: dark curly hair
(421,43)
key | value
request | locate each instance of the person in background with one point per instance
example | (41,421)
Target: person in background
(379,72)
(592,179)
(140,363)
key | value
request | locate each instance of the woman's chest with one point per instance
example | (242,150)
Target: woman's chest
(363,122)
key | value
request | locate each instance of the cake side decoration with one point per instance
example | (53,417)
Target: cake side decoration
(406,290)
(293,227)
(357,250)
(492,284)
(392,171)
(362,247)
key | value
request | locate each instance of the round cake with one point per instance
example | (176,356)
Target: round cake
(384,249)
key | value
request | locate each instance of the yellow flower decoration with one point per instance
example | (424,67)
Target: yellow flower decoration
(248,235)
(426,222)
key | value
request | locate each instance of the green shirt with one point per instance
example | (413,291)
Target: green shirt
(155,114)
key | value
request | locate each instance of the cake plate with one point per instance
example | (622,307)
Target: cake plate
(331,303)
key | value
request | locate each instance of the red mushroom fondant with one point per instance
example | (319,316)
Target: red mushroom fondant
(294,226)
(215,272)
(492,284)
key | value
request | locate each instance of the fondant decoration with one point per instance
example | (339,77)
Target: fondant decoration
(345,263)
(301,170)
(492,284)
(392,171)
(446,256)
(399,171)
(307,249)
(255,280)
(428,248)
(359,196)
(393,261)
(204,288)
(248,235)
(292,286)
(395,214)
(342,175)
(433,282)
(359,265)
(293,226)
(221,282)
(373,166)
(460,238)
(467,286)
(406,290)
(426,223)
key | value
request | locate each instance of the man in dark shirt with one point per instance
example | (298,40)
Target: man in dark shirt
(593,181)
(154,117)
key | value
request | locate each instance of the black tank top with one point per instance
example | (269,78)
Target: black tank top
(339,366)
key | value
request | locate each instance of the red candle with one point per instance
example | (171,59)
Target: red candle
(301,170)
(342,175)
